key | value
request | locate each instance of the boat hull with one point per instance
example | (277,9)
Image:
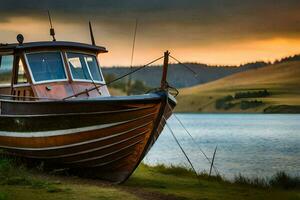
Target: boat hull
(105,138)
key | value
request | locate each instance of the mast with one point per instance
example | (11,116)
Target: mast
(164,83)
(92,34)
(52,31)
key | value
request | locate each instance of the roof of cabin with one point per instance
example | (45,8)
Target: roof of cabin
(52,44)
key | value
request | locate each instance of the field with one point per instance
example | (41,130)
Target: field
(282,81)
(160,182)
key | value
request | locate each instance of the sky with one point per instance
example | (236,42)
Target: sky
(216,32)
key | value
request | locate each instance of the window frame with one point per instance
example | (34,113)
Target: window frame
(85,80)
(47,81)
(5,85)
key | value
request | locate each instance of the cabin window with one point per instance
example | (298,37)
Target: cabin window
(84,67)
(22,76)
(46,66)
(6,66)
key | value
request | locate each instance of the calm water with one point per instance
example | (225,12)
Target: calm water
(250,144)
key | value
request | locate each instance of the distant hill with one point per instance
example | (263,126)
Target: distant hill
(288,59)
(281,81)
(179,76)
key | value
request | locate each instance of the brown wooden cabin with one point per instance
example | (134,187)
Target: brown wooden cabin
(51,70)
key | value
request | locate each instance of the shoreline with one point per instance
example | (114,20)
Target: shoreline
(239,113)
(158,182)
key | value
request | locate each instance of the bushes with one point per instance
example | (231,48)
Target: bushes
(172,170)
(253,94)
(226,102)
(282,109)
(137,86)
(283,180)
(223,103)
(244,105)
(250,104)
(279,180)
(121,84)
(255,182)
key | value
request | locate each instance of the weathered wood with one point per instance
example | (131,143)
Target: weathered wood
(112,148)
(164,83)
(92,133)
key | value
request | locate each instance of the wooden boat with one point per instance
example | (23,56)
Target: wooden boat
(93,132)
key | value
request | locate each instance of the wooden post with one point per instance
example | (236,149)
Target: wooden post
(212,162)
(163,84)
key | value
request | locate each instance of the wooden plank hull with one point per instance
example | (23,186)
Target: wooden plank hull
(105,138)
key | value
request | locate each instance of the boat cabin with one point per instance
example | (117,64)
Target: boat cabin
(50,70)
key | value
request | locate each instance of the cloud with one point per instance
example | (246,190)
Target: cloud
(225,18)
(163,23)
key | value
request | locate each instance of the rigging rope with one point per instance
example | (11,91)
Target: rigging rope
(193,139)
(175,138)
(131,72)
(106,84)
(210,162)
(187,67)
(196,76)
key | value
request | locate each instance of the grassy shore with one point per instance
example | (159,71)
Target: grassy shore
(159,182)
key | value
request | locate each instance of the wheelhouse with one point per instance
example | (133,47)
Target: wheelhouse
(50,70)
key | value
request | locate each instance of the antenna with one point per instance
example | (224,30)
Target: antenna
(52,32)
(132,54)
(133,45)
(92,34)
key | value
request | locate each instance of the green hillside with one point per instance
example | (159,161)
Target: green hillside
(280,83)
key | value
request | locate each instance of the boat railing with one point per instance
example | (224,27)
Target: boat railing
(24,98)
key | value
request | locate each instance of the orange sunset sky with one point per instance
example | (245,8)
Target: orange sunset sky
(223,32)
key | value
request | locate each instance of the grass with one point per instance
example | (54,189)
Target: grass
(183,184)
(279,180)
(157,182)
(3,196)
(281,80)
(18,182)
(283,180)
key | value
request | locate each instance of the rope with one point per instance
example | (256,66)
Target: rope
(196,75)
(215,168)
(175,138)
(187,67)
(193,139)
(174,91)
(127,74)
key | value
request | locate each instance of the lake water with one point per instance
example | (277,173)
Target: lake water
(250,144)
